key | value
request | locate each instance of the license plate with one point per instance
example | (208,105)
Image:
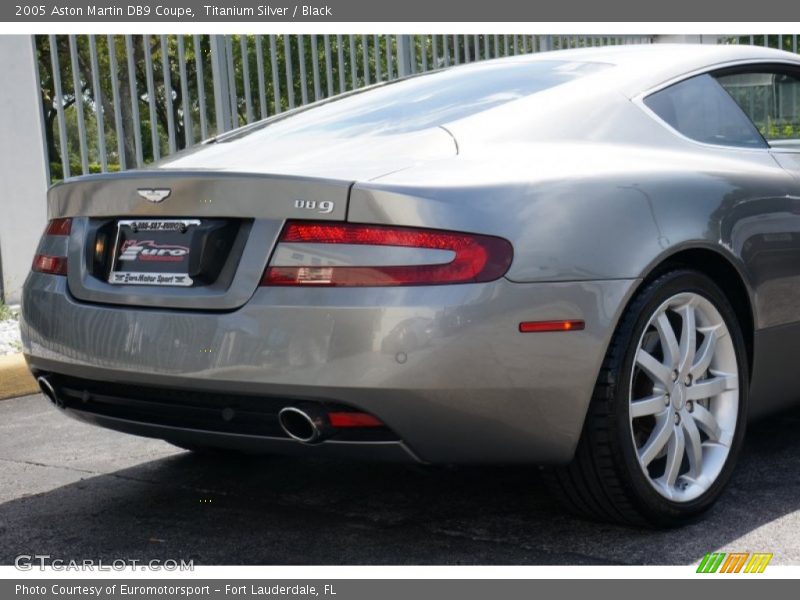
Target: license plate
(153,252)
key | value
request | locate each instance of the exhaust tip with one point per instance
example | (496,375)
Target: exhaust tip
(49,392)
(300,425)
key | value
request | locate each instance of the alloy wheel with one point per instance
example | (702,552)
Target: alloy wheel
(684,397)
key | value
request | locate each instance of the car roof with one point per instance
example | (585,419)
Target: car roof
(644,66)
(598,106)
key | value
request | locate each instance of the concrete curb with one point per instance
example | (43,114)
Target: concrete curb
(15,378)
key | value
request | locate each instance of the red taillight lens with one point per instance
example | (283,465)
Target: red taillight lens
(353,419)
(53,265)
(472,258)
(59,227)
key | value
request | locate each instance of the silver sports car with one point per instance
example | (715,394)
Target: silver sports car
(587,260)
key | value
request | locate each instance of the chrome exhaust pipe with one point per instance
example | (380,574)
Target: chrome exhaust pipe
(305,424)
(49,392)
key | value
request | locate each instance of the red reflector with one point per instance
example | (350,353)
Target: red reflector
(478,258)
(59,227)
(353,419)
(543,326)
(54,265)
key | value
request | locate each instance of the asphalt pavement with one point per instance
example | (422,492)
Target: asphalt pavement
(78,492)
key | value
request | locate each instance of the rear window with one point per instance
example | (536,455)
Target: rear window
(702,110)
(429,100)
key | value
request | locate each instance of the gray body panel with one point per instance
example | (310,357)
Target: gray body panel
(592,190)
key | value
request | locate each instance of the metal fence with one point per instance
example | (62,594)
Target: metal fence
(782,42)
(119,102)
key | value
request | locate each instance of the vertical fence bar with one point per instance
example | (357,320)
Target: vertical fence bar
(98,104)
(340,63)
(365,58)
(412,53)
(434,52)
(276,79)
(262,88)
(151,97)
(424,52)
(456,58)
(135,119)
(201,87)
(315,66)
(188,128)
(446,50)
(353,61)
(63,146)
(234,98)
(403,56)
(389,61)
(166,72)
(377,43)
(287,55)
(114,74)
(301,58)
(248,95)
(466,49)
(78,91)
(219,77)
(326,40)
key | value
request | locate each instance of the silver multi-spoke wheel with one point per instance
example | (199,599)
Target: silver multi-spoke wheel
(667,417)
(684,397)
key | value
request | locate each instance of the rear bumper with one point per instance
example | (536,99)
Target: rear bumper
(443,366)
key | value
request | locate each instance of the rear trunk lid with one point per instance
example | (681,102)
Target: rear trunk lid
(225,226)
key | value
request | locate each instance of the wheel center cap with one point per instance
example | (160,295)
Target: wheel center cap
(678,396)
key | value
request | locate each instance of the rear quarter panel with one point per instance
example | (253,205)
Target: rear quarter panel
(580,212)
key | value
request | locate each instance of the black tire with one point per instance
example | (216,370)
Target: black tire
(605,481)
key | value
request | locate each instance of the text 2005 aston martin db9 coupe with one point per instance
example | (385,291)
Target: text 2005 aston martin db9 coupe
(587,260)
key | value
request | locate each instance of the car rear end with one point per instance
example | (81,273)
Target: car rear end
(246,312)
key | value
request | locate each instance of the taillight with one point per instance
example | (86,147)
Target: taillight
(49,263)
(346,254)
(58,227)
(53,265)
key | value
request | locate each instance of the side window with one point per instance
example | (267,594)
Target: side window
(702,110)
(771,100)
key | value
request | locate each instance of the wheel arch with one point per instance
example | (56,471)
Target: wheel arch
(721,268)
